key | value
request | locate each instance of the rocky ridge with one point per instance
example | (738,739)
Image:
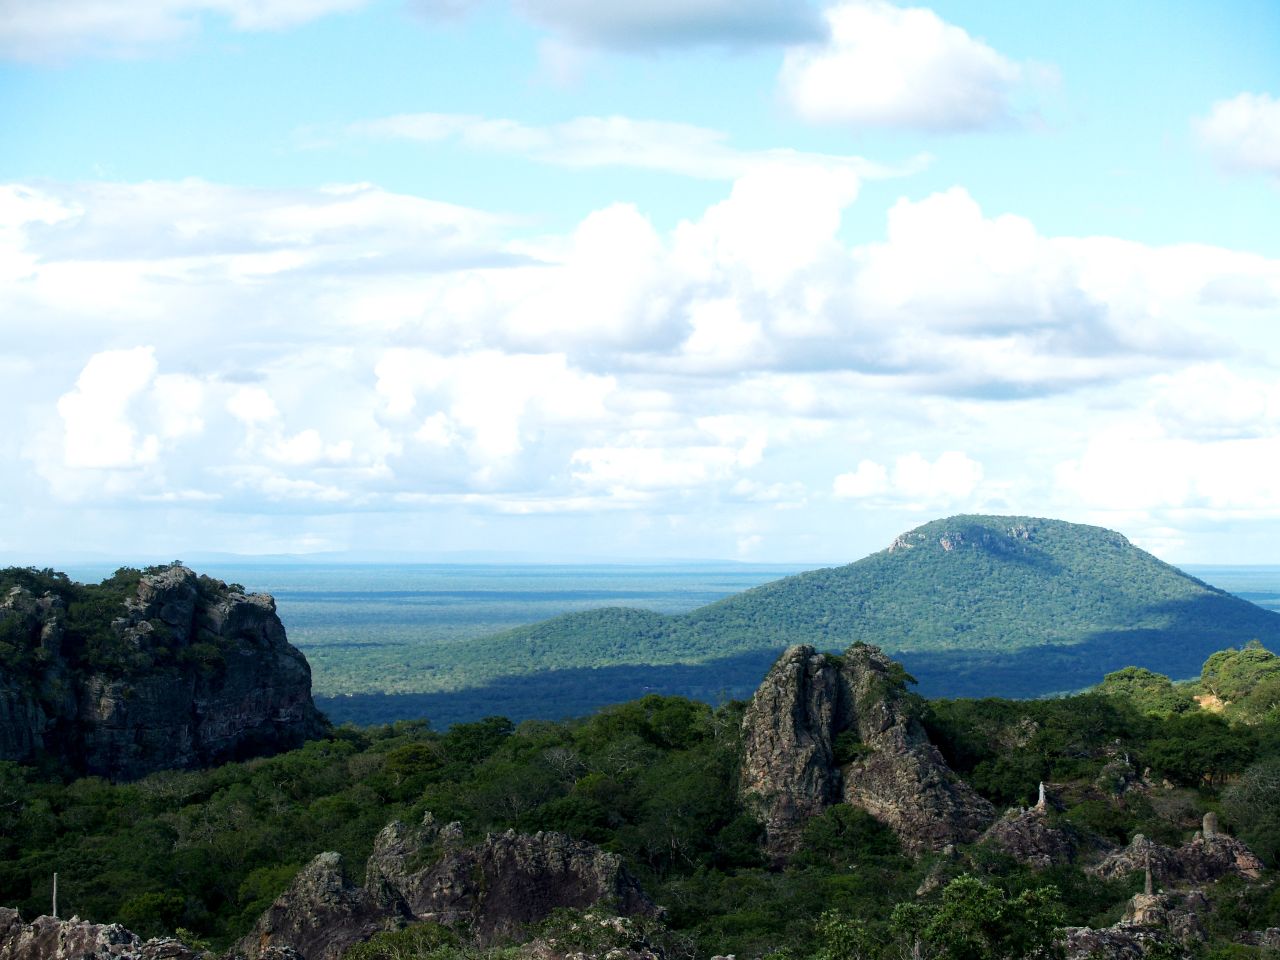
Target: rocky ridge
(48,938)
(210,677)
(822,730)
(1205,859)
(497,889)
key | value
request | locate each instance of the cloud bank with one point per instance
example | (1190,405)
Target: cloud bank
(348,350)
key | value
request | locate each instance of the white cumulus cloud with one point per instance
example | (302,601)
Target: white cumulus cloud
(97,416)
(889,66)
(1243,133)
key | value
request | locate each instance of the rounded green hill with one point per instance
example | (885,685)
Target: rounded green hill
(974,605)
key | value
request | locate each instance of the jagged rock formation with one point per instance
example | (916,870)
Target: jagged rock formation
(1120,942)
(1200,860)
(822,730)
(319,916)
(198,674)
(1031,838)
(498,888)
(1178,913)
(1151,921)
(48,938)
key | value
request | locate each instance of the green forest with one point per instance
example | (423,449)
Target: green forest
(202,853)
(973,605)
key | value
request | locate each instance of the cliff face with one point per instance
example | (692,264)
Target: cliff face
(183,672)
(496,889)
(822,730)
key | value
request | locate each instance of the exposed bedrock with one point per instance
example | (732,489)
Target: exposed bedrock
(822,730)
(48,938)
(205,674)
(497,888)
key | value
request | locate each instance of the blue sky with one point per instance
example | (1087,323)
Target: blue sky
(698,279)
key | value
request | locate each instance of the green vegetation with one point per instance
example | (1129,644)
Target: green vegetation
(1150,692)
(973,605)
(89,644)
(654,781)
(1246,682)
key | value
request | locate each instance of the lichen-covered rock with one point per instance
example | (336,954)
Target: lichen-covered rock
(497,888)
(1178,914)
(1201,860)
(807,708)
(211,677)
(1031,838)
(48,938)
(789,773)
(1165,922)
(901,778)
(319,916)
(1121,942)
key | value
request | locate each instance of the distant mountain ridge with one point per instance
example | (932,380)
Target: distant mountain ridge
(974,605)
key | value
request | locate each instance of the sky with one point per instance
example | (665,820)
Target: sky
(763,280)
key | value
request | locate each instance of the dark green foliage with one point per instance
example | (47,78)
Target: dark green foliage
(974,920)
(1201,747)
(1247,680)
(89,644)
(153,914)
(1252,804)
(1071,601)
(1152,693)
(654,781)
(1007,747)
(1231,674)
(843,837)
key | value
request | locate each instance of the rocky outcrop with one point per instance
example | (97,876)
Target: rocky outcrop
(789,772)
(319,916)
(48,938)
(1176,913)
(822,730)
(1201,860)
(1030,837)
(200,673)
(1167,923)
(497,889)
(1121,942)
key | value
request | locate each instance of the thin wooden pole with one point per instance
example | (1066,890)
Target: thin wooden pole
(55,896)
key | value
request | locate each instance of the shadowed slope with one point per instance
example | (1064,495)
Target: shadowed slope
(977,605)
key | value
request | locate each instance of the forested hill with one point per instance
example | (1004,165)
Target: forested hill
(974,605)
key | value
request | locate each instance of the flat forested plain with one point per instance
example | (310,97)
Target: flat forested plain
(1013,615)
(388,641)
